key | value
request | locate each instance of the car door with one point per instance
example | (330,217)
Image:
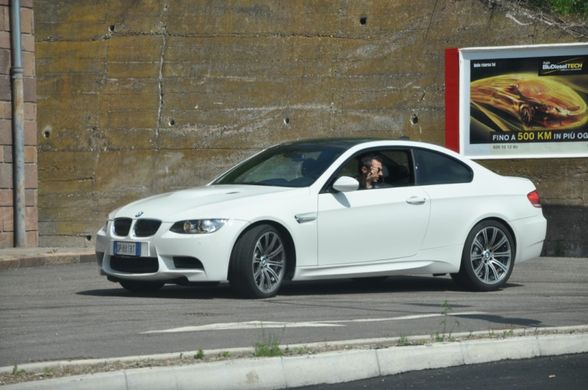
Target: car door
(447,184)
(372,225)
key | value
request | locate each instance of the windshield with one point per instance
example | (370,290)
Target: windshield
(290,165)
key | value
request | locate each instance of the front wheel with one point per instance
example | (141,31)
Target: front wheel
(527,114)
(488,257)
(258,262)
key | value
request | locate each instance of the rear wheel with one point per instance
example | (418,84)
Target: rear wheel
(258,262)
(141,286)
(488,257)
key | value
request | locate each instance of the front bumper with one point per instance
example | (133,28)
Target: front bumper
(169,256)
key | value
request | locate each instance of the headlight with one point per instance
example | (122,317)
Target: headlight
(198,226)
(104,227)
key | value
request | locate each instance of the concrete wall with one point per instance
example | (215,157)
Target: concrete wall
(30,126)
(140,97)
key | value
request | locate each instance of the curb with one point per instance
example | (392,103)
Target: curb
(329,367)
(36,257)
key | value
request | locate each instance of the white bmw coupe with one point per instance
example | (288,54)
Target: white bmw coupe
(300,211)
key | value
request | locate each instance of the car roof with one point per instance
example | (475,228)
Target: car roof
(357,144)
(335,142)
(347,142)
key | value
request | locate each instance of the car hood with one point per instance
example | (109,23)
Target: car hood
(214,201)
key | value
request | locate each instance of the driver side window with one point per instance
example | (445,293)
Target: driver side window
(396,167)
(351,168)
(398,170)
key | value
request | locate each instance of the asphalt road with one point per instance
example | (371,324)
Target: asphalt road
(69,311)
(568,372)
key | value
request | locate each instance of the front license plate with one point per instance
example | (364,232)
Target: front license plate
(127,248)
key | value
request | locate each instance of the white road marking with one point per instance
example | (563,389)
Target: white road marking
(245,325)
(411,317)
(307,324)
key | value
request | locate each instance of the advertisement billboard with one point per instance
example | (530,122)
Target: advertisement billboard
(521,102)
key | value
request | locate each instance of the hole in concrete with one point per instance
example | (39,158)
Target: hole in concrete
(111,28)
(47,133)
(172,122)
(414,119)
(88,238)
(363,20)
(286,121)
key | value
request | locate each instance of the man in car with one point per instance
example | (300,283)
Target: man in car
(370,172)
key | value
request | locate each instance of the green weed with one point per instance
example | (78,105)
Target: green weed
(199,355)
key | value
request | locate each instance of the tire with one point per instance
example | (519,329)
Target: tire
(488,257)
(140,286)
(527,114)
(258,262)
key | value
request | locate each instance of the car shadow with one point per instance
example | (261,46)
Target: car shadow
(498,319)
(392,284)
(368,285)
(169,292)
(397,284)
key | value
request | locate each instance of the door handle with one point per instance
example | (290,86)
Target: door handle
(416,200)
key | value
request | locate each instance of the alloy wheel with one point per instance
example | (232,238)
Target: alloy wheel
(491,255)
(269,260)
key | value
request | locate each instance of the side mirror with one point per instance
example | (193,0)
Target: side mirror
(346,184)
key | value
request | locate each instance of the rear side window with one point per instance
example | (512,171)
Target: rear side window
(437,168)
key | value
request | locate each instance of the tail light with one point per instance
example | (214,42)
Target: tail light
(534,198)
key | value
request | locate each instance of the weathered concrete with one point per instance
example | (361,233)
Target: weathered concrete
(566,231)
(140,97)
